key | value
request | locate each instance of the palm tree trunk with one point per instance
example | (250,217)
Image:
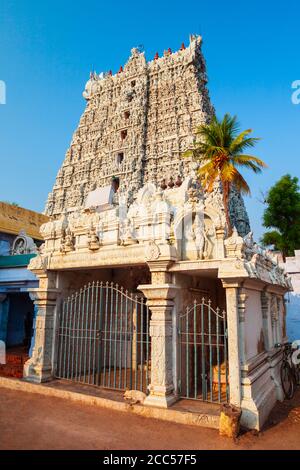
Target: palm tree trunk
(226,191)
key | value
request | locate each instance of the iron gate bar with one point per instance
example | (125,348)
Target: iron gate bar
(225,355)
(126,333)
(195,350)
(121,342)
(103,339)
(147,344)
(97,376)
(96,332)
(210,350)
(204,389)
(77,340)
(104,336)
(218,355)
(91,295)
(203,336)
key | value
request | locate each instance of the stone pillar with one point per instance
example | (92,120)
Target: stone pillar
(265,308)
(242,298)
(40,367)
(160,299)
(220,248)
(234,355)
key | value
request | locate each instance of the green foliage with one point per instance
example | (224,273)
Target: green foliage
(283,216)
(220,150)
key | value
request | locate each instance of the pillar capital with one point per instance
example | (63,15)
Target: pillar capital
(159,294)
(160,265)
(232,283)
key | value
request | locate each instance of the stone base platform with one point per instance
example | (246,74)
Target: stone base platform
(183,412)
(15,360)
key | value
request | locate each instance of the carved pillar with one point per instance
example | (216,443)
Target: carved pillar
(265,308)
(242,298)
(160,299)
(39,368)
(220,249)
(234,354)
(274,318)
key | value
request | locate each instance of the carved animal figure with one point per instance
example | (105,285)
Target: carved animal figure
(134,396)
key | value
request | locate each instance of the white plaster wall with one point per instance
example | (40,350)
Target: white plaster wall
(253,325)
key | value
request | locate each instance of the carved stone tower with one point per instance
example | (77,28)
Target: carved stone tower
(136,125)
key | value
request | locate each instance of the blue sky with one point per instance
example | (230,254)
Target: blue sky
(49,47)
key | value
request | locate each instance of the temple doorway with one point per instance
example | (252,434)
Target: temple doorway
(103,338)
(17,331)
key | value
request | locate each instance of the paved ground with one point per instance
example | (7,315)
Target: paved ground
(30,421)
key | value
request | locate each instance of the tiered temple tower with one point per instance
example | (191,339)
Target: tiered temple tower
(136,126)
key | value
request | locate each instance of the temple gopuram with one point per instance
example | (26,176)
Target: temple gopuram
(141,287)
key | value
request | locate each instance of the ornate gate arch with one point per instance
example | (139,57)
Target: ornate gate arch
(203,358)
(103,338)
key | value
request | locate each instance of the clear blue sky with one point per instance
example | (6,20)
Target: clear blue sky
(49,47)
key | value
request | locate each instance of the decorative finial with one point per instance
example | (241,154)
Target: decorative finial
(120,69)
(156,56)
(110,73)
(171,182)
(163,184)
(182,47)
(169,50)
(178,182)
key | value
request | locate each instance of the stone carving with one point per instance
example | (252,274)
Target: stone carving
(38,263)
(200,237)
(152,251)
(131,130)
(93,239)
(234,245)
(23,244)
(67,242)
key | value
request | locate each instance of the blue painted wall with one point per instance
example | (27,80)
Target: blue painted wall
(20,304)
(4,308)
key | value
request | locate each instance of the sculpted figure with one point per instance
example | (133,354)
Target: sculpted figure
(200,237)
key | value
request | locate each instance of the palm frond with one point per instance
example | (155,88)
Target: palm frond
(249,161)
(240,183)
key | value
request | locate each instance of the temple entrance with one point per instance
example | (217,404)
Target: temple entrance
(203,353)
(16,332)
(103,338)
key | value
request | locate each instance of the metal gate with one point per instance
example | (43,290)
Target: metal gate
(103,338)
(203,353)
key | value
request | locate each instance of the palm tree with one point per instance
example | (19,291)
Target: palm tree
(220,151)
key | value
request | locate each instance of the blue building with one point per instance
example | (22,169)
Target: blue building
(19,242)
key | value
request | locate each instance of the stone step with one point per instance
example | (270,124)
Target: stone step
(14,365)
